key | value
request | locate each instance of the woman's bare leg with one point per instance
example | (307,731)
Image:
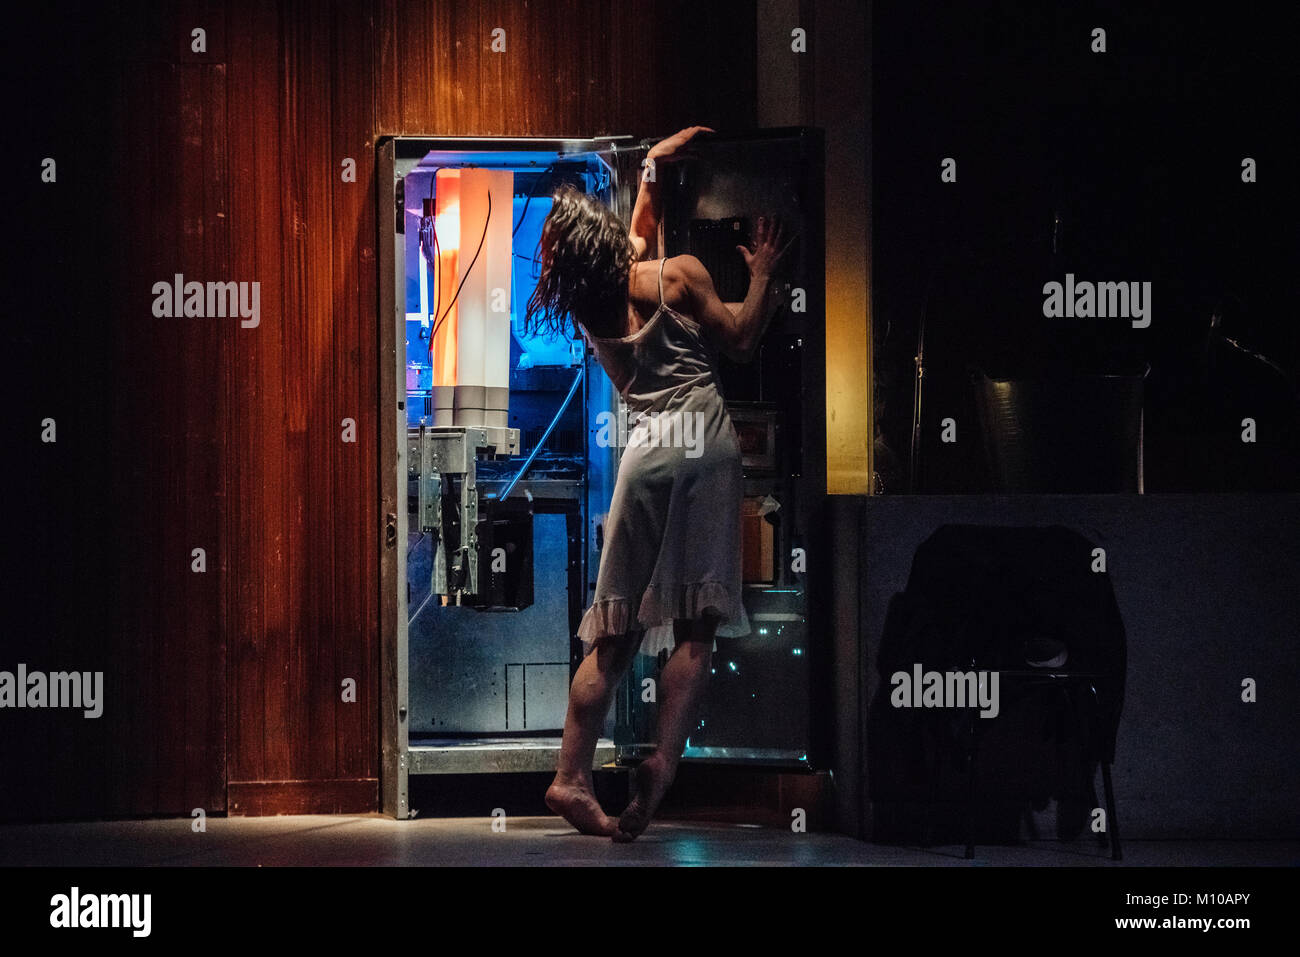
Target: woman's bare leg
(681,687)
(572,794)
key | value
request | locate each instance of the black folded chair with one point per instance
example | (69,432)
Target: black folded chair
(974,596)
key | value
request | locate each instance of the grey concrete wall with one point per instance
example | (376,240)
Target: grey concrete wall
(1209,589)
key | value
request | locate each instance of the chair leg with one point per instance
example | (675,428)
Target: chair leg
(1112,822)
(970,790)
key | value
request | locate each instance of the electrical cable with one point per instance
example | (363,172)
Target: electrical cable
(577,380)
(437,259)
(428,243)
(468,270)
(548,172)
(416,613)
(437,277)
(514,305)
(437,280)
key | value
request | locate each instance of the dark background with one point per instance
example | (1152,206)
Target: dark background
(1139,149)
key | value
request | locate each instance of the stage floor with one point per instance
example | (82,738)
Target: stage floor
(549,842)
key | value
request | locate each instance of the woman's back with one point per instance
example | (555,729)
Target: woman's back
(672,534)
(661,365)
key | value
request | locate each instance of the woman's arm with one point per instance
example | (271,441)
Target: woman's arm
(738,334)
(645,219)
(648,210)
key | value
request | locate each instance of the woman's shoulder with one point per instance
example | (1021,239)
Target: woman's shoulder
(684,266)
(682,274)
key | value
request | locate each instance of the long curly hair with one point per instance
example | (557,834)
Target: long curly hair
(586,256)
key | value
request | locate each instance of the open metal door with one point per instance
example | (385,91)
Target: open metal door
(767,703)
(499,708)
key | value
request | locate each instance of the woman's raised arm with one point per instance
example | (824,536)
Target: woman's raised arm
(648,211)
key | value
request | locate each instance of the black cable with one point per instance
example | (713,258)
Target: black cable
(436,263)
(437,281)
(437,257)
(548,172)
(468,270)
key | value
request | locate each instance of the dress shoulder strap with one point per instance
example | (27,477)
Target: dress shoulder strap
(661,279)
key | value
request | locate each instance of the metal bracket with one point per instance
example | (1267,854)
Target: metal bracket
(444,460)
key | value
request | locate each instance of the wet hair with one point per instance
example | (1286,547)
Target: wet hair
(586,256)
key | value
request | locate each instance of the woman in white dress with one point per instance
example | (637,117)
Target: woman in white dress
(671,554)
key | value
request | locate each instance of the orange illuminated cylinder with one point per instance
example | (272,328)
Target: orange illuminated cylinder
(471,351)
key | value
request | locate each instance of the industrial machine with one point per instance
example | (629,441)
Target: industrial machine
(499,468)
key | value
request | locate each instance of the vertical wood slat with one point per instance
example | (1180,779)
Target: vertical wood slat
(420,46)
(260,472)
(158,453)
(387,93)
(467,44)
(326,450)
(183,589)
(355,362)
(536,115)
(634,27)
(495,69)
(242,595)
(204,783)
(284,689)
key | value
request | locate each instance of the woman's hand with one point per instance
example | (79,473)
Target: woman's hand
(644,228)
(767,251)
(665,150)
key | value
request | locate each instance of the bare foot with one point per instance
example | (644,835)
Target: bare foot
(580,808)
(650,783)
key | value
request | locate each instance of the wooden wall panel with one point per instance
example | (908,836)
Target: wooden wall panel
(225,166)
(253,117)
(354,597)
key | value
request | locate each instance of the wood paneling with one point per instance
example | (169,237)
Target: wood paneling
(317,796)
(224,165)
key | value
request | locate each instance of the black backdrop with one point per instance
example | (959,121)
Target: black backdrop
(1139,149)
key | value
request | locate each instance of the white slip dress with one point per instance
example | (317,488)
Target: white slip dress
(673,533)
